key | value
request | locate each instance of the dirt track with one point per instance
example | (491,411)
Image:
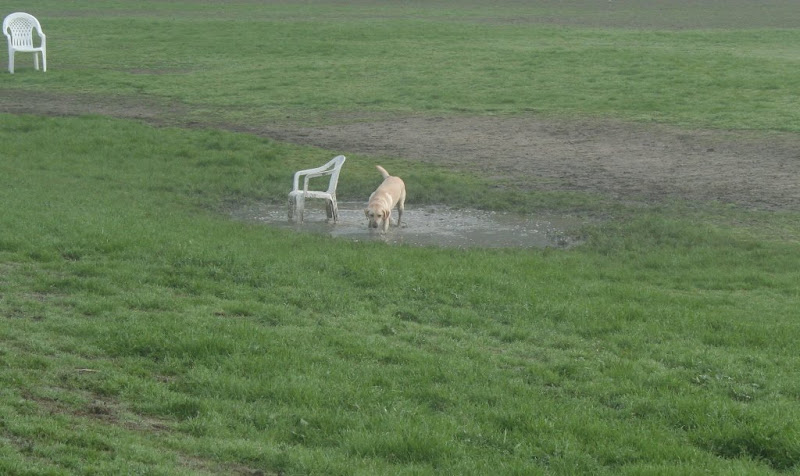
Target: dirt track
(626,161)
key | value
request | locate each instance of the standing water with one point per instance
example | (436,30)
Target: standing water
(429,226)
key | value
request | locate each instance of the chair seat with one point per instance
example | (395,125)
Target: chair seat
(310,194)
(27,49)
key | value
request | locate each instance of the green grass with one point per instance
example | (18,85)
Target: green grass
(251,63)
(144,331)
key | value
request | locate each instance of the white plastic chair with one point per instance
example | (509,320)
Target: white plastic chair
(298,195)
(18,28)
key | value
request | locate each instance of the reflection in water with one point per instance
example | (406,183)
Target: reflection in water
(429,226)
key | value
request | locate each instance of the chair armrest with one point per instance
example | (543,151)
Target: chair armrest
(300,173)
(312,175)
(309,173)
(328,169)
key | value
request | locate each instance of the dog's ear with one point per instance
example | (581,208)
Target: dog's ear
(366,212)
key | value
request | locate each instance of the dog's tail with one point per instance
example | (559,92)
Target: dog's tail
(382,171)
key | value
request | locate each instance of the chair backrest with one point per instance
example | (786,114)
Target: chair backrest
(21,25)
(336,167)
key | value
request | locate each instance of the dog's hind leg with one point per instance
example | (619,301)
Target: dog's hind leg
(400,207)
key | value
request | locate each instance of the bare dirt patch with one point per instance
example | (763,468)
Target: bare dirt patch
(630,162)
(651,163)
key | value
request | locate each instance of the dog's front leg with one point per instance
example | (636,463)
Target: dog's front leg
(386,220)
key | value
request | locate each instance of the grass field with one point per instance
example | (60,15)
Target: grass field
(142,330)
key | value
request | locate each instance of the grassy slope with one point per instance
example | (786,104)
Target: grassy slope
(144,331)
(231,344)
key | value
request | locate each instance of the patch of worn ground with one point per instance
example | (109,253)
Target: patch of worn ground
(630,162)
(650,163)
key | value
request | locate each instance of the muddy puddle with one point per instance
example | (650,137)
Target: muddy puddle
(429,226)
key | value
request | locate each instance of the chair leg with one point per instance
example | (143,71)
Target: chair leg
(44,62)
(333,210)
(296,208)
(301,207)
(36,60)
(11,61)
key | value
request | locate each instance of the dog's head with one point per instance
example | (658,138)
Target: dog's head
(377,216)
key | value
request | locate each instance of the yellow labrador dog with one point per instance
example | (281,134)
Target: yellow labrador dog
(390,193)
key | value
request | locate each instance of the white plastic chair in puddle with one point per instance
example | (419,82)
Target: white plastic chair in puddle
(18,28)
(298,195)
